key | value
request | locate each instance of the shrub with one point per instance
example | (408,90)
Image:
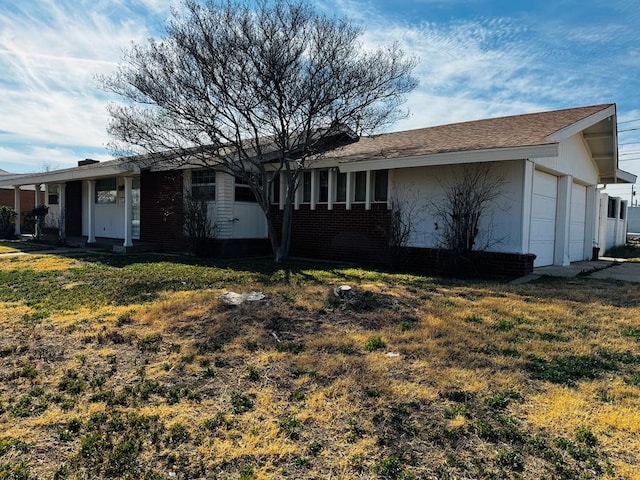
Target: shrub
(7,222)
(374,343)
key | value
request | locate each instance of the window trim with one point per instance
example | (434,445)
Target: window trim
(104,185)
(207,174)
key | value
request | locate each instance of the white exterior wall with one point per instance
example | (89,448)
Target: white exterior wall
(633,219)
(573,159)
(612,231)
(232,219)
(424,186)
(109,218)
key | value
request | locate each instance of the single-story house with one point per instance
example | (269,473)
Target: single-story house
(549,211)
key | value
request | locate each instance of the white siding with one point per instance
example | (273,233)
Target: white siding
(543,218)
(573,159)
(423,187)
(577,225)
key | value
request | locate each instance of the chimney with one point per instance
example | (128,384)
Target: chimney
(87,161)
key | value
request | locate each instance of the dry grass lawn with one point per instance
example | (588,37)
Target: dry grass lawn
(132,367)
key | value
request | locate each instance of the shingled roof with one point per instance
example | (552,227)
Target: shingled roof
(532,129)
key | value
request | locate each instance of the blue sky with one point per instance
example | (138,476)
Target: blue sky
(477,59)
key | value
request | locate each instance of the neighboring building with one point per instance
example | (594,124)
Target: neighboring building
(550,207)
(27,200)
(634,220)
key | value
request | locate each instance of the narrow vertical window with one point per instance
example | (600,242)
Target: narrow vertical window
(306,187)
(341,190)
(275,188)
(323,186)
(380,185)
(360,187)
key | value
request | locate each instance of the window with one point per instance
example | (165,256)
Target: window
(243,192)
(203,185)
(341,193)
(323,186)
(360,187)
(623,210)
(611,208)
(53,195)
(380,185)
(306,187)
(106,191)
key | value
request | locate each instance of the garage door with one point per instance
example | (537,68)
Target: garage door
(576,227)
(543,218)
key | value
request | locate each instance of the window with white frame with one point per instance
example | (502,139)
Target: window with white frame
(306,187)
(52,195)
(380,185)
(323,186)
(360,186)
(203,185)
(243,192)
(106,191)
(275,189)
(623,210)
(341,187)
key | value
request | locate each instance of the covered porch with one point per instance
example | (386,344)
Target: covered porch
(92,201)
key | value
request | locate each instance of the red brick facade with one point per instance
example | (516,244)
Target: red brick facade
(161,209)
(27,199)
(355,235)
(360,236)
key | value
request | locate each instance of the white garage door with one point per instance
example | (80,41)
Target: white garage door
(543,218)
(576,227)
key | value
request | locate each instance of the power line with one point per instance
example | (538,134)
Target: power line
(629,130)
(629,121)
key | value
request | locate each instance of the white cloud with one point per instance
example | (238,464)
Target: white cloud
(50,53)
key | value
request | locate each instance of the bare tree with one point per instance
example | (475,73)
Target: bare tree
(466,200)
(255,92)
(406,214)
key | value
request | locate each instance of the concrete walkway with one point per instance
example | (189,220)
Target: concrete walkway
(604,269)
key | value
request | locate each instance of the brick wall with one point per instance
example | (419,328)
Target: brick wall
(355,235)
(360,236)
(161,209)
(27,199)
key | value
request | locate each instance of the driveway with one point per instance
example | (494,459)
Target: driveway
(605,269)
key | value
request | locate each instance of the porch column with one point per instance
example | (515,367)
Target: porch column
(91,211)
(16,208)
(128,186)
(368,190)
(37,203)
(62,205)
(563,220)
(591,221)
(349,190)
(527,202)
(331,187)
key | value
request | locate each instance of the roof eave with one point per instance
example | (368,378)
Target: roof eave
(583,124)
(620,176)
(63,176)
(452,158)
